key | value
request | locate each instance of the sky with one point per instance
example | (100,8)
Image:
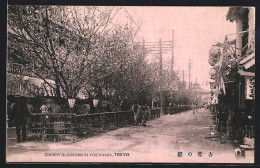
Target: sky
(195,30)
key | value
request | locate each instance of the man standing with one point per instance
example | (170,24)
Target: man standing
(20,111)
(136,108)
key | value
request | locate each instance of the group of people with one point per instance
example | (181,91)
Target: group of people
(141,114)
(19,112)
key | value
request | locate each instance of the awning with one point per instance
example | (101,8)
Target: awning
(244,73)
(248,61)
(37,81)
(234,13)
(40,83)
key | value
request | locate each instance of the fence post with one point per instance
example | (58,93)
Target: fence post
(71,128)
(117,122)
(103,121)
(43,119)
(131,114)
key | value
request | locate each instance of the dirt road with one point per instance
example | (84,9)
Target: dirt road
(178,138)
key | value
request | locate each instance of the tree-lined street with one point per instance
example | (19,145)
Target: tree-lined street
(81,79)
(160,141)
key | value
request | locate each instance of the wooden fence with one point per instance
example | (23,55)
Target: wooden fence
(96,123)
(68,127)
(175,110)
(50,127)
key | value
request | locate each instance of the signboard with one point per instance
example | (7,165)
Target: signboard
(248,88)
(17,68)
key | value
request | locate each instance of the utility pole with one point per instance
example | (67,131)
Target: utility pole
(160,74)
(189,73)
(183,76)
(172,60)
(143,48)
(159,48)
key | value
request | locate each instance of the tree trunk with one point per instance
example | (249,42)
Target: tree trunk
(57,90)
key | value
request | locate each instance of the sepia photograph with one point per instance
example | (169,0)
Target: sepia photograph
(130,84)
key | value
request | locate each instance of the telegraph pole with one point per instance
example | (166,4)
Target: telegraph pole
(143,48)
(182,76)
(189,73)
(160,74)
(159,48)
(172,60)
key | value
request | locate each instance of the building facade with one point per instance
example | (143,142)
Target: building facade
(233,75)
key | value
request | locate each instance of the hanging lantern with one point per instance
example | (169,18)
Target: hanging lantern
(71,102)
(95,102)
(212,71)
(214,55)
(212,85)
(212,76)
(86,96)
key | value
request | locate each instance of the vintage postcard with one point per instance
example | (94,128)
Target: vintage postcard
(130,84)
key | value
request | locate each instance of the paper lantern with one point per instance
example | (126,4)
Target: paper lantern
(212,71)
(214,55)
(71,102)
(95,102)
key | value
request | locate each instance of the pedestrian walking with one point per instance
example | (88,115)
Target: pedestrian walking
(144,114)
(194,109)
(20,112)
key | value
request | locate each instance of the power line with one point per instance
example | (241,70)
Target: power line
(130,16)
(172,60)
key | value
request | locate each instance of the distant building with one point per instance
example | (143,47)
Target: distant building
(200,93)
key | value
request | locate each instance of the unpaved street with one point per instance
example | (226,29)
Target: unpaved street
(161,140)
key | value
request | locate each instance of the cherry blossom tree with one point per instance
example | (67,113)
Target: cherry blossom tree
(57,42)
